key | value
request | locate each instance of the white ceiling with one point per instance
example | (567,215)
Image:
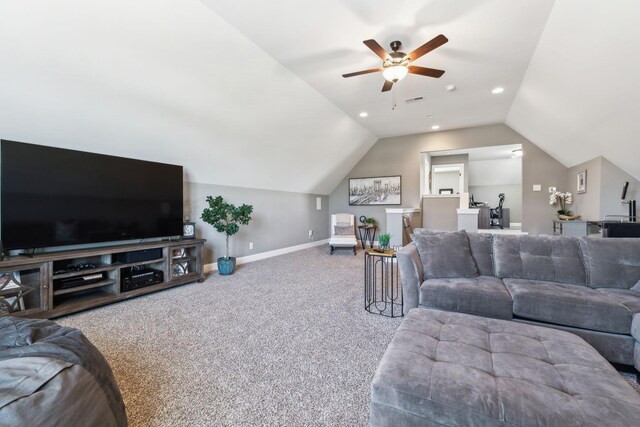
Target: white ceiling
(580,97)
(249,93)
(169,81)
(490,44)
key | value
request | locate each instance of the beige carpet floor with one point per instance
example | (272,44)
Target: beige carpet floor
(283,341)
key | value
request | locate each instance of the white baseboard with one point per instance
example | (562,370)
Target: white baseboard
(208,268)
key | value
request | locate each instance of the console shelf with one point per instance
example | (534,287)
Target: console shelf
(27,286)
(75,289)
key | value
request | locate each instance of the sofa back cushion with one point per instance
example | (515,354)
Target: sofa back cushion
(481,245)
(548,258)
(446,255)
(611,263)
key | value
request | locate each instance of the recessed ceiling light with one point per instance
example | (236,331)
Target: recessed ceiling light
(364,114)
(430,116)
(435,127)
(497,90)
(451,88)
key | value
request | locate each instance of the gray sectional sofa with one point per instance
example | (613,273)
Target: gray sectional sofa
(587,286)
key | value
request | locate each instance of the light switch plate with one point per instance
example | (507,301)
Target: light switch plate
(537,187)
(552,190)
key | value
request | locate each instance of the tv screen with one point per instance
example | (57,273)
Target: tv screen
(53,197)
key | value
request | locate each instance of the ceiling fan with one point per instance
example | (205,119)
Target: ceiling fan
(396,64)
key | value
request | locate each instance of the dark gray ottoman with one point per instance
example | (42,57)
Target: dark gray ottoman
(53,376)
(453,369)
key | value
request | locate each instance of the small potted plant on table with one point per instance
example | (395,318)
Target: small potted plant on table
(226,218)
(383,242)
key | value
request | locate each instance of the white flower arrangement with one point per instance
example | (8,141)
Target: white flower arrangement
(563,199)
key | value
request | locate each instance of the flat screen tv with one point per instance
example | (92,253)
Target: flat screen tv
(54,197)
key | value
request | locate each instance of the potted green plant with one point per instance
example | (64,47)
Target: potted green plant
(370,221)
(226,218)
(383,241)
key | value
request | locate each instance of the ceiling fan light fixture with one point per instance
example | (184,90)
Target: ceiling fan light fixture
(395,73)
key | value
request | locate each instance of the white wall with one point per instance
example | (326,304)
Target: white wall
(495,172)
(446,180)
(579,97)
(168,81)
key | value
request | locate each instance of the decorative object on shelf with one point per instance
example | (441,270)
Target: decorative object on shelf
(562,199)
(178,253)
(180,269)
(383,190)
(383,242)
(226,218)
(12,293)
(367,221)
(569,217)
(582,182)
(188,229)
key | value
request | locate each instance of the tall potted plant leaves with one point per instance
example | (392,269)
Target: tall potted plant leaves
(226,218)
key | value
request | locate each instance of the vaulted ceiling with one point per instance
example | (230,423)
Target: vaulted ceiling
(250,93)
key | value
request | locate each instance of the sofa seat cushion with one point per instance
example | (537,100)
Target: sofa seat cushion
(630,299)
(548,258)
(568,305)
(483,296)
(453,369)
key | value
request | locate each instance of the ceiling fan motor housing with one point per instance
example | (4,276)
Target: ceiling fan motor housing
(396,45)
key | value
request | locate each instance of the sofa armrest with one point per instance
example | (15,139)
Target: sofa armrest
(411,275)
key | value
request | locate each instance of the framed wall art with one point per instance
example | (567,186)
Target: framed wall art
(380,190)
(582,182)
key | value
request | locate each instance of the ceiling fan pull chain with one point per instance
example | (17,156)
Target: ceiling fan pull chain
(393,98)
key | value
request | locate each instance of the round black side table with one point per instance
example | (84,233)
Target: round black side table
(382,290)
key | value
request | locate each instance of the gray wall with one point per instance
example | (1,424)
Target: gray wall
(604,188)
(401,156)
(539,168)
(280,219)
(587,205)
(613,179)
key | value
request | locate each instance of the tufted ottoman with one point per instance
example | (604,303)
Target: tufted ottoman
(453,369)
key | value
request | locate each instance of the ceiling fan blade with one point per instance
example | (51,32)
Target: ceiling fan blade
(387,86)
(376,48)
(359,73)
(434,43)
(423,71)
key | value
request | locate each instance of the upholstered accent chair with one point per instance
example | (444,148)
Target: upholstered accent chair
(343,232)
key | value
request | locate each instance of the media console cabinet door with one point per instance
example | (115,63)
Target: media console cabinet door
(24,290)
